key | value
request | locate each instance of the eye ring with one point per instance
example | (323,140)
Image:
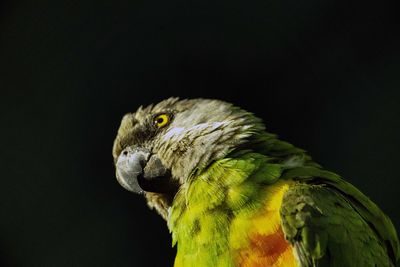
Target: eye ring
(161,120)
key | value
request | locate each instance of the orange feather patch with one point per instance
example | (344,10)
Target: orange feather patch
(266,243)
(268,250)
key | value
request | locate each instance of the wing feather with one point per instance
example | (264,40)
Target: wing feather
(326,229)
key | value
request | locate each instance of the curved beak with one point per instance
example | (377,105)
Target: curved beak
(138,170)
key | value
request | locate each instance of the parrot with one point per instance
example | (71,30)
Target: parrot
(233,194)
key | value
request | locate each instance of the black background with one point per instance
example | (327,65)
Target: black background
(322,74)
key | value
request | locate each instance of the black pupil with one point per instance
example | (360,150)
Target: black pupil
(159,120)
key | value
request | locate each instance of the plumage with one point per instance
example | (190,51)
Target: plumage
(238,196)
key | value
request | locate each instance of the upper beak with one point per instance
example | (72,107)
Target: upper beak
(138,170)
(129,166)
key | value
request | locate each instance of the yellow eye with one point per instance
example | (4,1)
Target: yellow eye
(161,120)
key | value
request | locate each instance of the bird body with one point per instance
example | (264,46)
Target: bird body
(231,214)
(243,197)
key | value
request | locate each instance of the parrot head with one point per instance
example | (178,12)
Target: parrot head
(159,147)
